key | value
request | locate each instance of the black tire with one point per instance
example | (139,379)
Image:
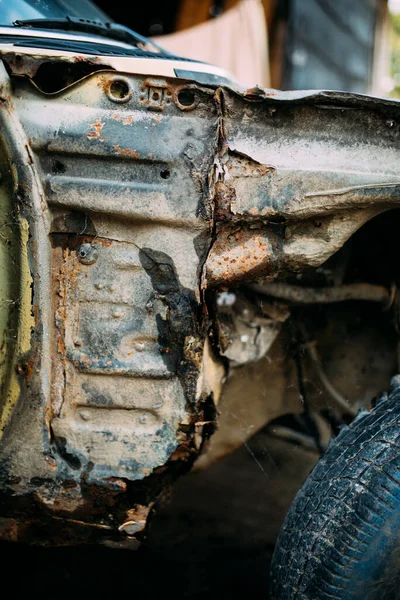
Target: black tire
(341,537)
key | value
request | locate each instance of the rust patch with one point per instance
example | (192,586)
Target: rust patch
(104,82)
(126,151)
(225,198)
(26,369)
(241,165)
(125,120)
(237,167)
(95,133)
(156,94)
(240,255)
(258,93)
(106,243)
(86,59)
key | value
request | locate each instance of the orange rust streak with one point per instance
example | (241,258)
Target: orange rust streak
(126,151)
(96,133)
(239,256)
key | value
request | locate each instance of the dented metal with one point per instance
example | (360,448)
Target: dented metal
(135,198)
(123,205)
(296,176)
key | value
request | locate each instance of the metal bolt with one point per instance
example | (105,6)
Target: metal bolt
(87,254)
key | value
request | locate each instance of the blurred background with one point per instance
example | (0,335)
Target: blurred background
(216,535)
(351,45)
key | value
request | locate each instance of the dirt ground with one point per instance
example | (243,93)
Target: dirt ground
(214,540)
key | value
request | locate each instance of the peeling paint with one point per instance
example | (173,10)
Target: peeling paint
(14,365)
(95,133)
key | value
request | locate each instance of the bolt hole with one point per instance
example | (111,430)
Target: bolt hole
(119,90)
(165,174)
(156,96)
(186,97)
(58,167)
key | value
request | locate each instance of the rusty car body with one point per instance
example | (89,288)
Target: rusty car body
(161,230)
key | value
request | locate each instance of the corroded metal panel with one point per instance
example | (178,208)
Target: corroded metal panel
(116,400)
(297,175)
(123,190)
(142,197)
